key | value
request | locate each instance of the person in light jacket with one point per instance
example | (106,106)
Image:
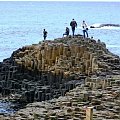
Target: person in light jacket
(85,29)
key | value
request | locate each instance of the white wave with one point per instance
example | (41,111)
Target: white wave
(96,25)
(113,46)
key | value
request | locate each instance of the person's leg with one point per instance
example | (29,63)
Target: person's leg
(84,33)
(45,37)
(87,33)
(67,33)
(64,34)
(73,30)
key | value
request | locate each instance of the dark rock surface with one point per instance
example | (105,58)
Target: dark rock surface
(51,68)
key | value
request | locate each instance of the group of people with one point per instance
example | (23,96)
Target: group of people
(73,25)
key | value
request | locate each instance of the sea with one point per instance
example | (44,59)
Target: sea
(22,23)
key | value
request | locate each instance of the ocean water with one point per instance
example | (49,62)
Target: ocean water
(5,107)
(22,23)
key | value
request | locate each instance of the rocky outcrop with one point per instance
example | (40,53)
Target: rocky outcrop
(103,95)
(49,69)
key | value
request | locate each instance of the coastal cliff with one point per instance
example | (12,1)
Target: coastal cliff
(81,70)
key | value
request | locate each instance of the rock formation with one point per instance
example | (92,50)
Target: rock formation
(52,69)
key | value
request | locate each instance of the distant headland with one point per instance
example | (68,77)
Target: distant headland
(104,25)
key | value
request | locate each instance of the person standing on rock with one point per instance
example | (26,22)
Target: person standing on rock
(85,28)
(44,34)
(73,25)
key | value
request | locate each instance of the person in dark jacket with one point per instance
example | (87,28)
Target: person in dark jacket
(66,31)
(73,25)
(44,34)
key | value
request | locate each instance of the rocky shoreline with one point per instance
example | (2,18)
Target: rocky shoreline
(62,80)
